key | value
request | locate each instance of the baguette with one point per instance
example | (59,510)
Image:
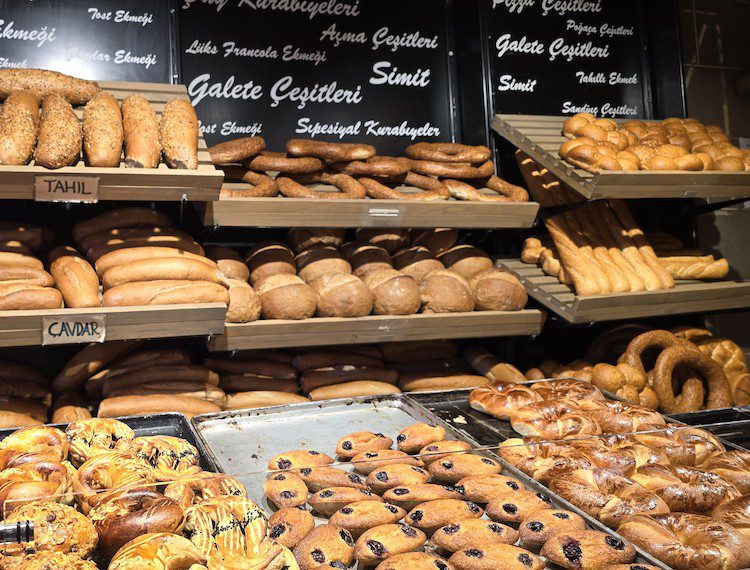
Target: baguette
(420,381)
(134,217)
(60,135)
(248,382)
(178,133)
(23,274)
(74,277)
(326,358)
(312,379)
(32,408)
(69,414)
(19,128)
(177,243)
(14,420)
(262,399)
(20,296)
(141,133)
(89,361)
(353,390)
(131,255)
(185,373)
(201,391)
(42,82)
(260,367)
(165,292)
(19,259)
(34,237)
(695,267)
(161,268)
(137,405)
(102,131)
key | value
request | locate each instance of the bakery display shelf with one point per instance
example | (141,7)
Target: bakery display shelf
(539,137)
(306,212)
(686,297)
(152,184)
(242,442)
(377,328)
(26,328)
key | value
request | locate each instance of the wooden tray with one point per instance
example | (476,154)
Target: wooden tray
(153,184)
(24,328)
(686,297)
(539,137)
(302,212)
(378,328)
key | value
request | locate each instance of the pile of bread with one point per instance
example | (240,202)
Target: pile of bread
(333,170)
(598,248)
(674,490)
(431,497)
(671,144)
(55,137)
(100,497)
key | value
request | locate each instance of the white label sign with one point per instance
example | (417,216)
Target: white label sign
(385,212)
(66,189)
(73,329)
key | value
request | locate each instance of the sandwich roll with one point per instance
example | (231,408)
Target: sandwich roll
(60,136)
(102,131)
(365,259)
(342,295)
(246,383)
(205,391)
(178,133)
(262,399)
(304,238)
(20,296)
(19,128)
(390,239)
(488,365)
(466,260)
(137,405)
(141,133)
(316,261)
(394,292)
(19,259)
(315,359)
(313,379)
(34,237)
(32,408)
(69,414)
(174,242)
(270,258)
(134,217)
(353,390)
(437,240)
(229,261)
(261,367)
(131,255)
(165,292)
(416,350)
(284,296)
(15,420)
(88,361)
(23,274)
(185,373)
(42,82)
(445,291)
(439,380)
(416,261)
(74,277)
(162,268)
(244,303)
(497,290)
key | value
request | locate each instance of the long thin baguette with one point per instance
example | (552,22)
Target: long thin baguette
(178,133)
(74,277)
(141,130)
(166,292)
(19,128)
(136,405)
(134,217)
(102,131)
(161,268)
(133,254)
(43,82)
(60,134)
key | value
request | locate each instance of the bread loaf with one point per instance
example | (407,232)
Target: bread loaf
(19,259)
(316,261)
(117,235)
(130,255)
(23,372)
(342,295)
(32,408)
(34,237)
(466,260)
(285,296)
(270,258)
(497,290)
(314,359)
(20,296)
(102,131)
(74,277)
(313,379)
(165,292)
(178,134)
(437,240)
(390,239)
(260,367)
(133,217)
(445,291)
(365,259)
(262,399)
(229,261)
(19,128)
(303,238)
(394,292)
(416,261)
(244,303)
(163,373)
(200,391)
(353,390)
(141,132)
(14,420)
(438,380)
(14,246)
(260,354)
(418,350)
(25,274)
(489,366)
(165,268)
(69,414)
(60,135)
(249,382)
(18,388)
(163,240)
(89,361)
(42,82)
(137,405)
(139,360)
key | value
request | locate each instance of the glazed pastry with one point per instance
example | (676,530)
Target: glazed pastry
(415,561)
(48,560)
(432,515)
(286,490)
(97,435)
(410,496)
(299,459)
(359,516)
(587,550)
(289,526)
(396,475)
(387,540)
(471,533)
(369,461)
(485,488)
(518,506)
(361,441)
(417,436)
(441,449)
(325,545)
(453,469)
(494,556)
(318,478)
(328,501)
(536,529)
(733,466)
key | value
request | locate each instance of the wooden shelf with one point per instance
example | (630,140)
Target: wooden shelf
(379,328)
(24,328)
(302,212)
(539,137)
(152,184)
(686,297)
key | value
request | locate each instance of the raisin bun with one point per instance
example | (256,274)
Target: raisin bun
(410,496)
(290,525)
(387,540)
(328,501)
(286,490)
(361,441)
(442,449)
(431,515)
(471,533)
(324,545)
(484,488)
(368,461)
(358,517)
(452,469)
(413,438)
(319,478)
(299,459)
(518,506)
(494,557)
(397,475)
(536,529)
(587,550)
(415,561)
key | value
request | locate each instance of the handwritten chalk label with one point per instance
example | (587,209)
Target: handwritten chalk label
(66,189)
(385,212)
(73,329)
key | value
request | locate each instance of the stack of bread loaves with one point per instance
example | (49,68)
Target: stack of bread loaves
(25,395)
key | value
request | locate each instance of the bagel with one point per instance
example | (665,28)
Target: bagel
(431,189)
(330,151)
(459,170)
(296,186)
(280,162)
(380,166)
(448,152)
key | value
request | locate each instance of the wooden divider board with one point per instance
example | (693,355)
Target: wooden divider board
(539,137)
(686,297)
(304,212)
(377,328)
(24,328)
(152,184)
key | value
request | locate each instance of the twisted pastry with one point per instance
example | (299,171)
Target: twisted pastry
(553,420)
(37,443)
(203,486)
(683,446)
(31,481)
(170,457)
(734,466)
(542,460)
(158,551)
(105,474)
(91,437)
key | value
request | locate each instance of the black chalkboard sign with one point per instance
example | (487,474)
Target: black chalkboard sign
(553,57)
(106,40)
(341,70)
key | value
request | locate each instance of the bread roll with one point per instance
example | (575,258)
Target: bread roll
(134,217)
(166,268)
(229,261)
(168,241)
(353,390)
(437,240)
(346,356)
(316,261)
(18,388)
(10,420)
(206,392)
(131,255)
(141,131)
(284,296)
(303,238)
(262,399)
(160,373)
(60,135)
(418,350)
(365,259)
(270,258)
(14,246)
(24,274)
(118,235)
(489,366)
(249,382)
(24,406)
(19,127)
(42,82)
(313,379)
(23,372)
(102,131)
(20,296)
(138,405)
(260,366)
(18,259)
(390,239)
(445,291)
(74,277)
(439,380)
(279,356)
(497,290)
(89,361)
(416,261)
(143,359)
(35,237)
(394,292)
(69,414)
(342,295)
(244,303)
(165,292)
(178,134)
(466,260)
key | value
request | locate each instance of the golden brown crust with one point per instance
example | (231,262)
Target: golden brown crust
(60,134)
(178,134)
(19,128)
(141,133)
(102,131)
(74,277)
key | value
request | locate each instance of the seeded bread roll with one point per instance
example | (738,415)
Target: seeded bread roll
(178,133)
(102,131)
(342,295)
(394,292)
(319,260)
(141,130)
(60,134)
(285,296)
(244,303)
(270,258)
(229,261)
(497,290)
(466,260)
(303,238)
(368,258)
(437,240)
(43,82)
(416,261)
(19,128)
(74,277)
(445,291)
(391,239)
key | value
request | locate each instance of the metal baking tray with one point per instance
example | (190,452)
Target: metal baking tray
(172,424)
(243,441)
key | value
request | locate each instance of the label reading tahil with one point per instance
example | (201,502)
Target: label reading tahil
(66,189)
(73,329)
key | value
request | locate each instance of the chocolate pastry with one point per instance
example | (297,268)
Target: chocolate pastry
(299,459)
(495,556)
(415,561)
(368,461)
(518,506)
(417,436)
(442,449)
(285,490)
(324,545)
(290,525)
(472,533)
(453,469)
(410,496)
(397,475)
(360,441)
(484,488)
(318,478)
(432,515)
(587,550)
(536,529)
(387,540)
(328,501)
(358,517)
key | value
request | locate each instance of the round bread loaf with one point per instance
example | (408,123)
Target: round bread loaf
(316,261)
(229,261)
(497,290)
(302,238)
(416,261)
(390,239)
(445,291)
(342,295)
(466,260)
(270,258)
(368,258)
(395,293)
(244,304)
(437,240)
(286,296)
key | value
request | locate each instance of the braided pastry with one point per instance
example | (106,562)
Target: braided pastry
(552,420)
(542,460)
(91,437)
(170,457)
(158,551)
(682,446)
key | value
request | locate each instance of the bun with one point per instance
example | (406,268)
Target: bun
(342,295)
(353,390)
(444,291)
(390,239)
(31,408)
(229,261)
(436,240)
(270,258)
(74,277)
(20,259)
(438,380)
(394,292)
(284,296)
(466,260)
(262,399)
(165,292)
(19,296)
(497,290)
(416,261)
(260,367)
(244,303)
(155,404)
(303,238)
(317,261)
(365,259)
(485,363)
